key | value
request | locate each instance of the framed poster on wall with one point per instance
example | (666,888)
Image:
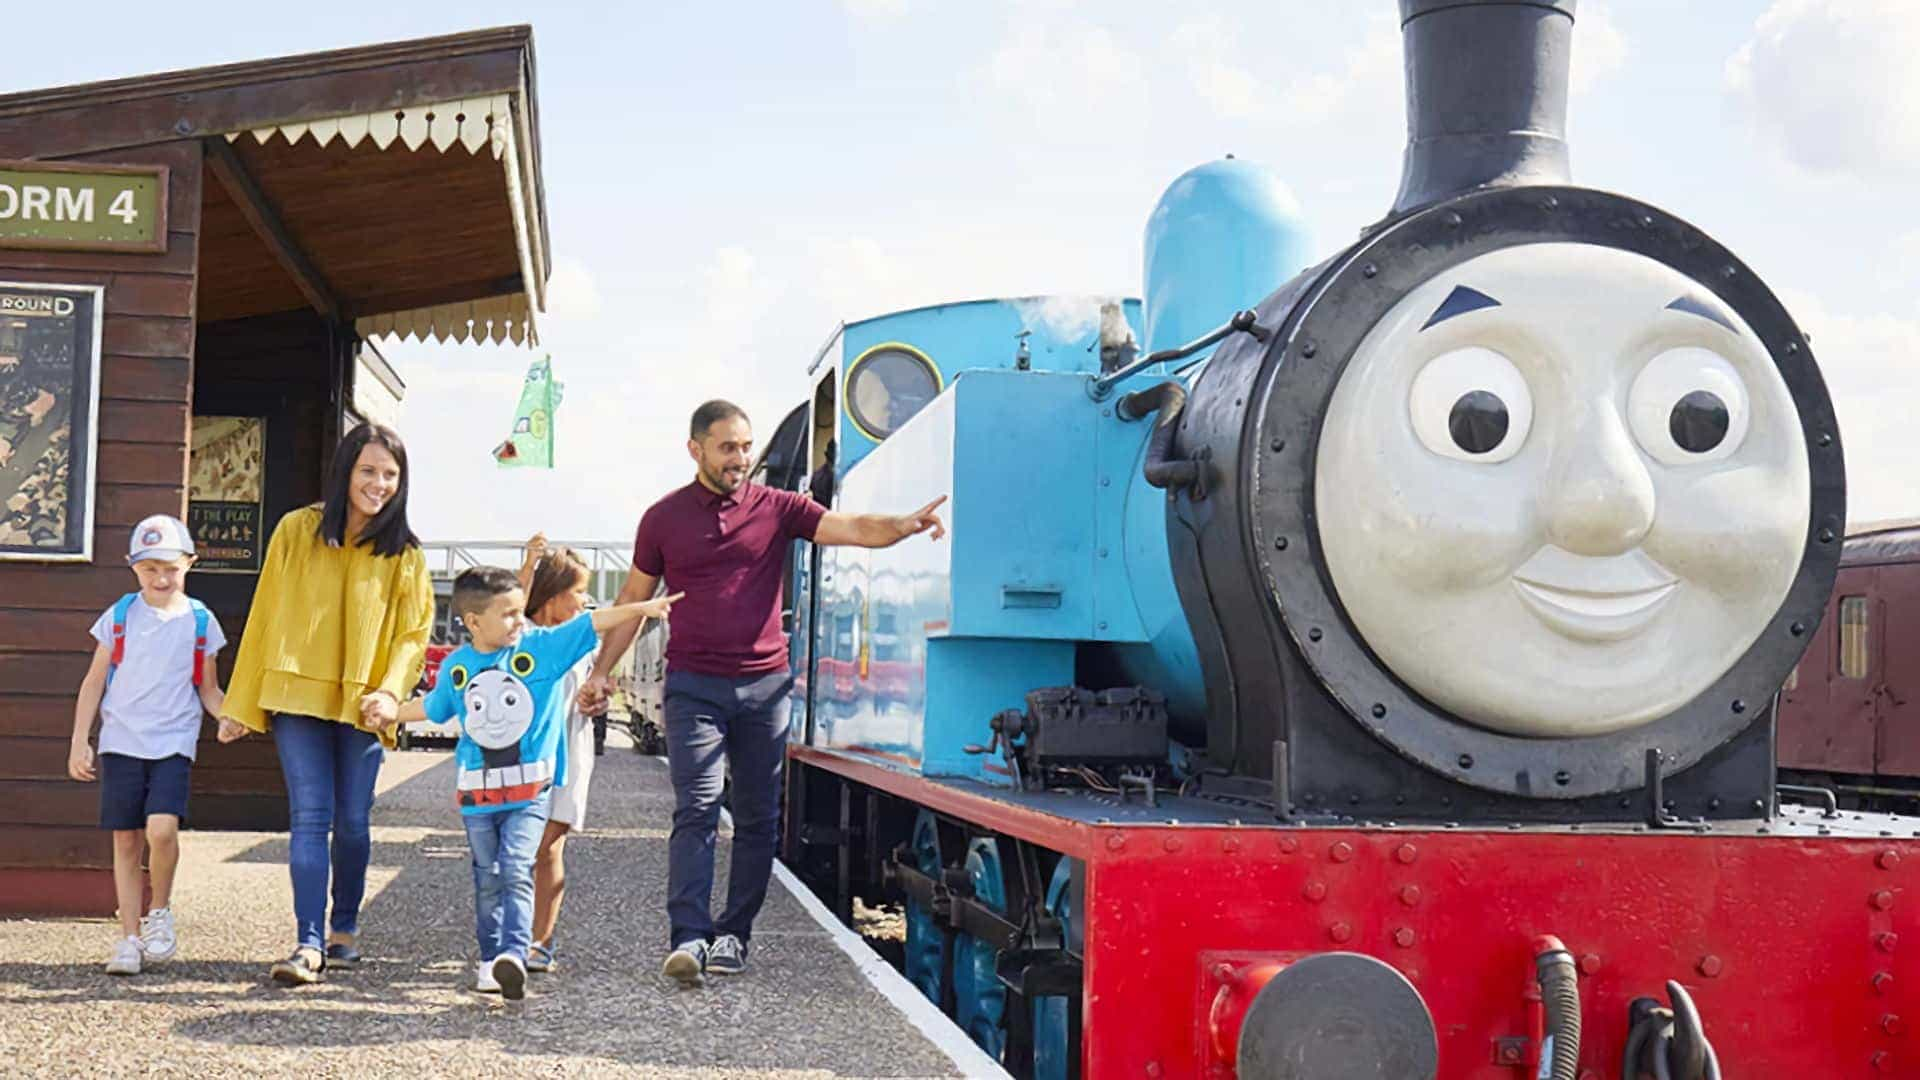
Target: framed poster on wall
(226,492)
(49,419)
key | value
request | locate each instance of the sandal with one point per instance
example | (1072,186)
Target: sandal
(341,954)
(539,957)
(300,969)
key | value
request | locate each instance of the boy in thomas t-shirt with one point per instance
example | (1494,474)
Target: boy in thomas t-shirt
(152,674)
(512,749)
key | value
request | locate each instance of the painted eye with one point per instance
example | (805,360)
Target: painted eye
(1688,406)
(510,699)
(477,704)
(1471,404)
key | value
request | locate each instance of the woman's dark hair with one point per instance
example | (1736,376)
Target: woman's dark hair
(387,533)
(558,572)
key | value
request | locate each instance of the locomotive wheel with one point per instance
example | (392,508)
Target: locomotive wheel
(1053,1050)
(980,999)
(927,944)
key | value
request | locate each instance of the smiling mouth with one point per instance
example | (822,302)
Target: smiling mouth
(1592,598)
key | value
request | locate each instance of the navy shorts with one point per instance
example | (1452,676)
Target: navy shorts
(133,789)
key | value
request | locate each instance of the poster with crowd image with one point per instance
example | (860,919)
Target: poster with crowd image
(49,408)
(226,489)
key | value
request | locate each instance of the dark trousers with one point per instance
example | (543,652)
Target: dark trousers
(713,721)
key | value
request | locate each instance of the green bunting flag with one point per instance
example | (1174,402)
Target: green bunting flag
(531,444)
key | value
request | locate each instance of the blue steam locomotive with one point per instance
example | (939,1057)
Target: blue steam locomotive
(1363,668)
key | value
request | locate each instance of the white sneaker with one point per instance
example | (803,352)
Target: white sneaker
(158,941)
(126,957)
(510,972)
(483,980)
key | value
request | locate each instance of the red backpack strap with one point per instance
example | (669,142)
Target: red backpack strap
(120,609)
(201,616)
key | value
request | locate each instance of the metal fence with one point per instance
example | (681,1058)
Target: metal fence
(641,674)
(608,560)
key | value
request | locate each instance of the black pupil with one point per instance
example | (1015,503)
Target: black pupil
(1478,422)
(1699,421)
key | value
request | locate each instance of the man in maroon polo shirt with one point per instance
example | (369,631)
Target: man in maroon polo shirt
(724,543)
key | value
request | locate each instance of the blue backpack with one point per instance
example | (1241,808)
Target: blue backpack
(201,616)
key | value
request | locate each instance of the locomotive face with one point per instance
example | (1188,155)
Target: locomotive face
(1561,489)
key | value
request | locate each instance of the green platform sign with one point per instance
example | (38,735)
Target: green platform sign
(54,207)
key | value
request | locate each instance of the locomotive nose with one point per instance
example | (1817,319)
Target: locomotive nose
(1600,498)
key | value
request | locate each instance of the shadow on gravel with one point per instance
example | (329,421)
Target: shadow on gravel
(802,1006)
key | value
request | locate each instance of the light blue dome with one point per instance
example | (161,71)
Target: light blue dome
(1224,236)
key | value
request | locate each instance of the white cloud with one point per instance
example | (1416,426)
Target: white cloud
(1217,76)
(1599,46)
(1069,78)
(734,296)
(1368,86)
(571,292)
(856,277)
(1872,368)
(1830,86)
(874,9)
(1906,259)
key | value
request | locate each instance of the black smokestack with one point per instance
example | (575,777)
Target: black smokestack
(1486,96)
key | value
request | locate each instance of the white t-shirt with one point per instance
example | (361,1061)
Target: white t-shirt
(152,709)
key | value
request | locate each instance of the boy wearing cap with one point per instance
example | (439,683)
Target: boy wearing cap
(152,673)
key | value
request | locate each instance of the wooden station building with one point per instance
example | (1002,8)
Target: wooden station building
(191,265)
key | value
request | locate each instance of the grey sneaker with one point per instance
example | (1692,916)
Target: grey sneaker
(686,963)
(126,957)
(727,956)
(158,941)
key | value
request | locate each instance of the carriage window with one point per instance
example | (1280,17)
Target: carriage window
(1853,637)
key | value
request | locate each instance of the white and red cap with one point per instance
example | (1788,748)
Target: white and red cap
(160,537)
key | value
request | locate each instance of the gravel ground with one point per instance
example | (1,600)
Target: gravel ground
(801,1011)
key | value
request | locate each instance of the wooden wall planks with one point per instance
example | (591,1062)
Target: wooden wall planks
(46,820)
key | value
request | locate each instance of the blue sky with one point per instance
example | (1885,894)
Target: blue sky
(727,181)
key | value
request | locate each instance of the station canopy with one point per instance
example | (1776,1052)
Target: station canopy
(397,187)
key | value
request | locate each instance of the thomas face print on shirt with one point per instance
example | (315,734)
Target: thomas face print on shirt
(499,711)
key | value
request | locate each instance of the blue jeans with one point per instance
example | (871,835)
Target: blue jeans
(713,721)
(330,770)
(504,844)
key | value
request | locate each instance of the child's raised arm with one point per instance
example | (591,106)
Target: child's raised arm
(536,550)
(620,614)
(93,686)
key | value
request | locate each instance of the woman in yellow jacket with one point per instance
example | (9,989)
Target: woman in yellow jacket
(342,610)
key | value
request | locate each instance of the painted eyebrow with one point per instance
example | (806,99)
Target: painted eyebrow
(1692,306)
(1458,302)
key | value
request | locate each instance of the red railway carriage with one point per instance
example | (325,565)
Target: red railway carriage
(1850,712)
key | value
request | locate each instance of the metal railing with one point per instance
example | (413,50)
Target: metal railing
(607,560)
